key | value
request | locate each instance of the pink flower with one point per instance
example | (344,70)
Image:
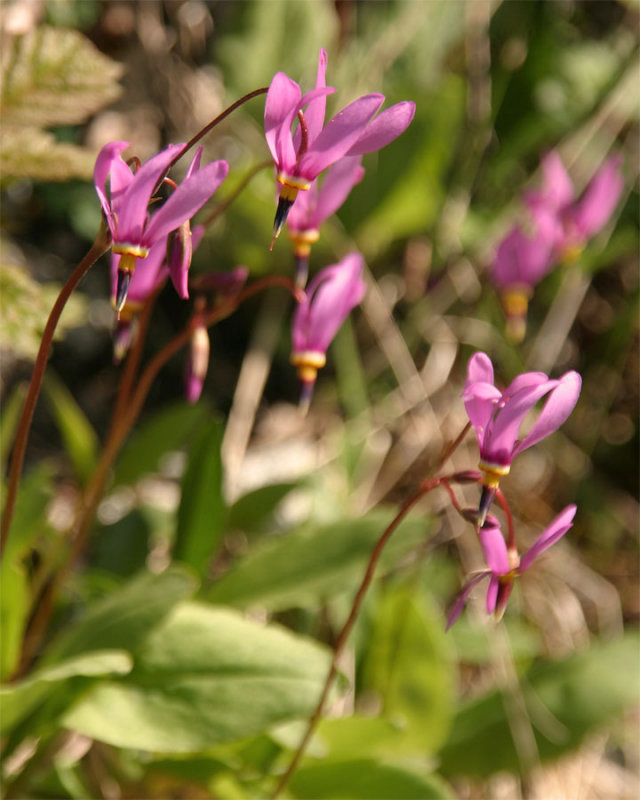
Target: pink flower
(134,231)
(330,297)
(316,205)
(302,155)
(505,565)
(520,262)
(578,220)
(497,416)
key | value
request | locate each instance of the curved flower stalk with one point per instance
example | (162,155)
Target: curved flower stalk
(133,229)
(331,295)
(578,220)
(520,263)
(301,156)
(497,416)
(505,564)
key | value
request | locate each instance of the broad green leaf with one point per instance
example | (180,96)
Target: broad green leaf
(205,676)
(251,512)
(301,567)
(166,431)
(11,409)
(566,699)
(122,548)
(125,618)
(19,699)
(202,508)
(14,599)
(52,76)
(25,305)
(409,664)
(80,439)
(367,779)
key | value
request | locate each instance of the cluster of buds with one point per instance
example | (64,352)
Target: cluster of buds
(557,229)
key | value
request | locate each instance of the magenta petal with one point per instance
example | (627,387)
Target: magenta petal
(179,259)
(560,525)
(194,166)
(480,369)
(340,179)
(560,404)
(557,187)
(280,110)
(386,127)
(188,198)
(494,548)
(132,214)
(314,114)
(593,210)
(521,260)
(480,402)
(462,598)
(339,135)
(499,444)
(106,157)
(524,381)
(149,272)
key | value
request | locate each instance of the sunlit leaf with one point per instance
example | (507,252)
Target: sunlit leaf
(205,676)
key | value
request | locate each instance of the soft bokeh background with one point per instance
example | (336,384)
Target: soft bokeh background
(540,706)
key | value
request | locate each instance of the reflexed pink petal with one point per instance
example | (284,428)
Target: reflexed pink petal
(314,114)
(302,214)
(179,258)
(498,445)
(524,381)
(330,297)
(557,185)
(104,162)
(194,166)
(480,402)
(280,109)
(480,369)
(521,260)
(593,210)
(386,127)
(340,180)
(462,598)
(560,525)
(494,548)
(560,404)
(133,212)
(310,99)
(339,135)
(188,198)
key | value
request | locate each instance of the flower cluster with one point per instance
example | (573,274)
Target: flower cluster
(557,230)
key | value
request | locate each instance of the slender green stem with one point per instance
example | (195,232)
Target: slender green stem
(98,248)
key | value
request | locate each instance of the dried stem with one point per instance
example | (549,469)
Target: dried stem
(98,248)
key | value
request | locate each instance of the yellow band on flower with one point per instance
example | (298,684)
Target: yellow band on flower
(570,254)
(493,473)
(135,250)
(302,241)
(290,186)
(515,301)
(308,363)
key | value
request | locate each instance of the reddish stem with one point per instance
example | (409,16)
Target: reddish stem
(98,248)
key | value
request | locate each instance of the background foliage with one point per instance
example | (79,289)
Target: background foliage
(194,636)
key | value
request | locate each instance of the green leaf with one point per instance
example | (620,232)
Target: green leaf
(409,664)
(166,431)
(21,698)
(124,619)
(122,548)
(202,508)
(301,567)
(206,676)
(565,699)
(34,494)
(36,154)
(366,779)
(52,76)
(80,439)
(250,513)
(14,607)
